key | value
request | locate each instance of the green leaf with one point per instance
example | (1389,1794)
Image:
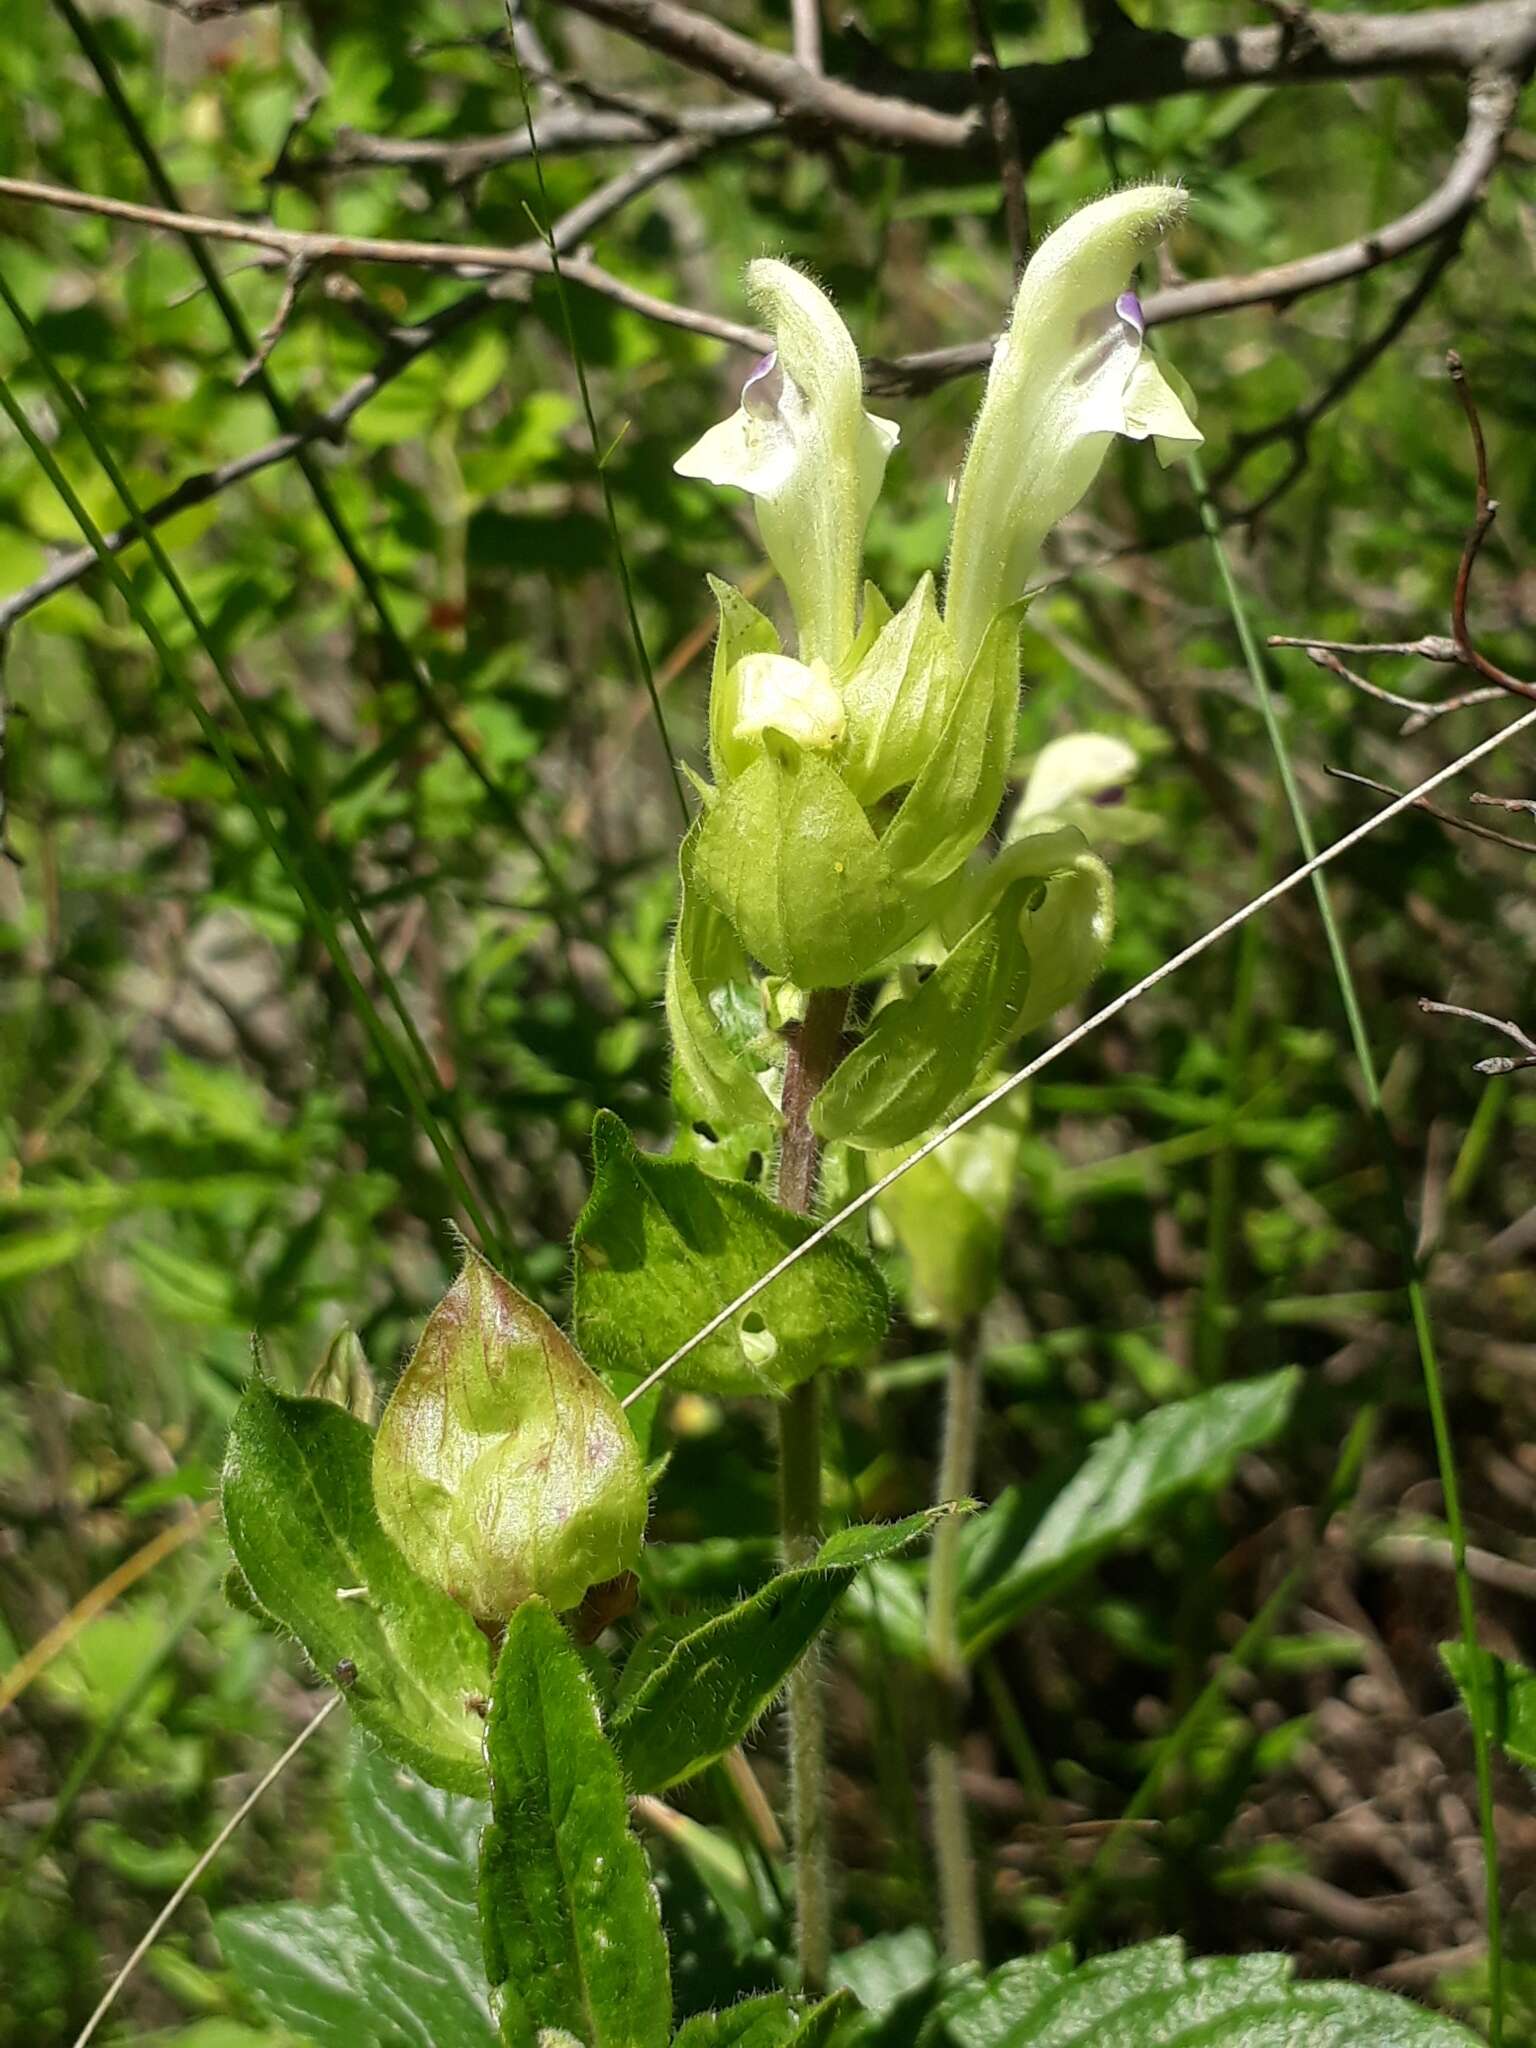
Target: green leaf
(1137,1471)
(717,1681)
(923,1051)
(717,1083)
(572,1928)
(36,1251)
(299,1513)
(874,616)
(395,1954)
(1155,1996)
(787,854)
(661,1245)
(770,2022)
(1509,1693)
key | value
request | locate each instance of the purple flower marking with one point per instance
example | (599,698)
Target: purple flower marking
(763,388)
(1112,329)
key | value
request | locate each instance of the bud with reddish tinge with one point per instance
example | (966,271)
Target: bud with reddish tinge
(503,1466)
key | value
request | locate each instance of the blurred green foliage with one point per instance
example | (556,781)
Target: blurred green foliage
(197,1141)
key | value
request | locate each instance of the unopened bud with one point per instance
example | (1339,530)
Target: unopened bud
(345,1377)
(503,1467)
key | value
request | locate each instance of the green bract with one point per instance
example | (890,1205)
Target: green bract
(857,776)
(947,1214)
(503,1467)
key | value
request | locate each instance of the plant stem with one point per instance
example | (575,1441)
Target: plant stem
(814,1051)
(959,1913)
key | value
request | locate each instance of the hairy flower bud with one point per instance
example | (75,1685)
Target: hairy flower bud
(503,1467)
(345,1377)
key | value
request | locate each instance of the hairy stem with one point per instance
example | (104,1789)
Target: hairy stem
(813,1053)
(959,1912)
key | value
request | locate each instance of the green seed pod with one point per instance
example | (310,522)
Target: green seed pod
(503,1467)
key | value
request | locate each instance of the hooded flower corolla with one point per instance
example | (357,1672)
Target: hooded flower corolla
(813,459)
(1069,373)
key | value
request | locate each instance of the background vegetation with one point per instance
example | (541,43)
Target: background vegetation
(220,1116)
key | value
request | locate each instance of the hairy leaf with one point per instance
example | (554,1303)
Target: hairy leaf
(572,1926)
(1509,1691)
(898,698)
(1156,1996)
(661,1245)
(394,1956)
(1136,1471)
(299,1513)
(770,2022)
(716,1681)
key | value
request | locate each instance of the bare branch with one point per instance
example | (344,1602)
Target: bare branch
(1444,817)
(805,31)
(293,283)
(1420,714)
(1429,647)
(559,131)
(803,97)
(1491,107)
(1296,427)
(1501,1063)
(1487,512)
(1127,66)
(402,347)
(1004,133)
(213,10)
(471,258)
(1525,1043)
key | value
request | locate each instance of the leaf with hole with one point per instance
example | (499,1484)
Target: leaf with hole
(661,1245)
(572,1927)
(299,1514)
